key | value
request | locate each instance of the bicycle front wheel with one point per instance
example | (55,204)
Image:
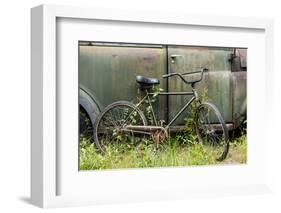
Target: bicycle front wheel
(211,130)
(109,124)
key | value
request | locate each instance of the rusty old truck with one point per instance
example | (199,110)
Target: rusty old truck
(107,73)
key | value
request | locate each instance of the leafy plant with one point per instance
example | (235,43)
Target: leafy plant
(181,149)
(173,153)
(147,107)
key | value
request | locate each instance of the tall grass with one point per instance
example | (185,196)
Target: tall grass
(177,151)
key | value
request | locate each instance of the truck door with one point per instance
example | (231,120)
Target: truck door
(216,84)
(107,71)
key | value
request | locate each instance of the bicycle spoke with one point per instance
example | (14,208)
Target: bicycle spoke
(109,128)
(211,130)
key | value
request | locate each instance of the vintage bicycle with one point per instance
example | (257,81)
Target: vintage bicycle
(123,119)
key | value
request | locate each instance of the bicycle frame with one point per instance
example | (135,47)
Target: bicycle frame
(194,95)
(160,132)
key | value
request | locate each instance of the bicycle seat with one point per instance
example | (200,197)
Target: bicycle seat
(147,82)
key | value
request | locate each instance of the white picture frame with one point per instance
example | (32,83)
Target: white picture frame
(45,178)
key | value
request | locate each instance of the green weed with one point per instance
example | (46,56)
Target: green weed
(178,150)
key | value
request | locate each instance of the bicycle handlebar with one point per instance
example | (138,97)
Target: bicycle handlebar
(187,73)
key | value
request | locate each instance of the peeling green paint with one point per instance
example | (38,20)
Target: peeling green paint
(107,72)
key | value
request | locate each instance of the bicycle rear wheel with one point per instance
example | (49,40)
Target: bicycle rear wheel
(211,130)
(109,124)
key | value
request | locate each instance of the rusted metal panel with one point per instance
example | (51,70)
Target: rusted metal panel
(239,93)
(218,85)
(242,54)
(190,57)
(239,60)
(215,86)
(108,72)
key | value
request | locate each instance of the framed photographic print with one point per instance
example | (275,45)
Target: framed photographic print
(130,106)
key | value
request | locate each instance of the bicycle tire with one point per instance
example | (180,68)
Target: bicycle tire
(210,134)
(106,111)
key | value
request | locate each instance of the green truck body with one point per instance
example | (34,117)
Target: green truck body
(107,73)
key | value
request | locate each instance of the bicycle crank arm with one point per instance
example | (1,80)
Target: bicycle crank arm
(134,131)
(145,128)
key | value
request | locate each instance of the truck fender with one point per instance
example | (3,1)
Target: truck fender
(89,105)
